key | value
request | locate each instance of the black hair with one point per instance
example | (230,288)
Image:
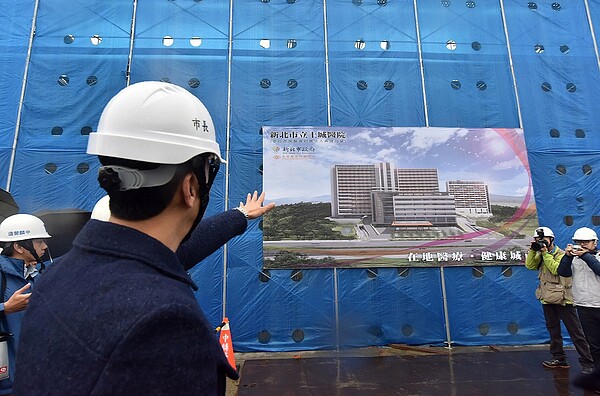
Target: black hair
(8,249)
(142,203)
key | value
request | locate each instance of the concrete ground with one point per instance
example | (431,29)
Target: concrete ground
(403,369)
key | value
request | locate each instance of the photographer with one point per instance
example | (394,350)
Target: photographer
(556,296)
(581,262)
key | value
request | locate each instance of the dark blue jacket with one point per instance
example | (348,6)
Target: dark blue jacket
(116,316)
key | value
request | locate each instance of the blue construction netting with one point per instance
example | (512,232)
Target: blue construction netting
(449,63)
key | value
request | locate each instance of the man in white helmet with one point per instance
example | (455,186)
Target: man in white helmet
(555,294)
(581,261)
(116,314)
(22,238)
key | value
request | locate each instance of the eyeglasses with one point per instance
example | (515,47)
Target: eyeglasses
(582,242)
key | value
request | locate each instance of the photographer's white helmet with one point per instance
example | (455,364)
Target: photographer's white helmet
(101,210)
(545,230)
(585,234)
(154,122)
(21,227)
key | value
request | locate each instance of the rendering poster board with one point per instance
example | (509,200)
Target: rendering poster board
(396,197)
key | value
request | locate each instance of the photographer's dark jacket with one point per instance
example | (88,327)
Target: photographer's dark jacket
(553,288)
(116,316)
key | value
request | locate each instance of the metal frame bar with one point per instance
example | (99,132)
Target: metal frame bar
(13,153)
(510,60)
(421,65)
(131,43)
(227,149)
(589,17)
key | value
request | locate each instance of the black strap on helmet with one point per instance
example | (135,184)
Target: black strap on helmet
(206,167)
(28,245)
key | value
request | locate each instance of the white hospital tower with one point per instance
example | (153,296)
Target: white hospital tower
(403,197)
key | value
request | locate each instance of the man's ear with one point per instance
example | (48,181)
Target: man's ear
(189,189)
(17,248)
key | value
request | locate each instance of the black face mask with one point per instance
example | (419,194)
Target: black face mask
(205,168)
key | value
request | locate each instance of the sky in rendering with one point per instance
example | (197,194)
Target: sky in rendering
(297,161)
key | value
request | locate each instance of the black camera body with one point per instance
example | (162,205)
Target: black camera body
(538,245)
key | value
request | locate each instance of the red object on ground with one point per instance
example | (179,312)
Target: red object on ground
(226,343)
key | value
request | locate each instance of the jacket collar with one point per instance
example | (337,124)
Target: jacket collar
(124,242)
(12,266)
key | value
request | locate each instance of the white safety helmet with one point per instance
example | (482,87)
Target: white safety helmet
(21,227)
(547,232)
(101,210)
(585,234)
(154,122)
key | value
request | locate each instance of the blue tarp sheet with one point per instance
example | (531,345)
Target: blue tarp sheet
(530,65)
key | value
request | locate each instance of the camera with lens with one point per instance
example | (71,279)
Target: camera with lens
(539,244)
(576,247)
